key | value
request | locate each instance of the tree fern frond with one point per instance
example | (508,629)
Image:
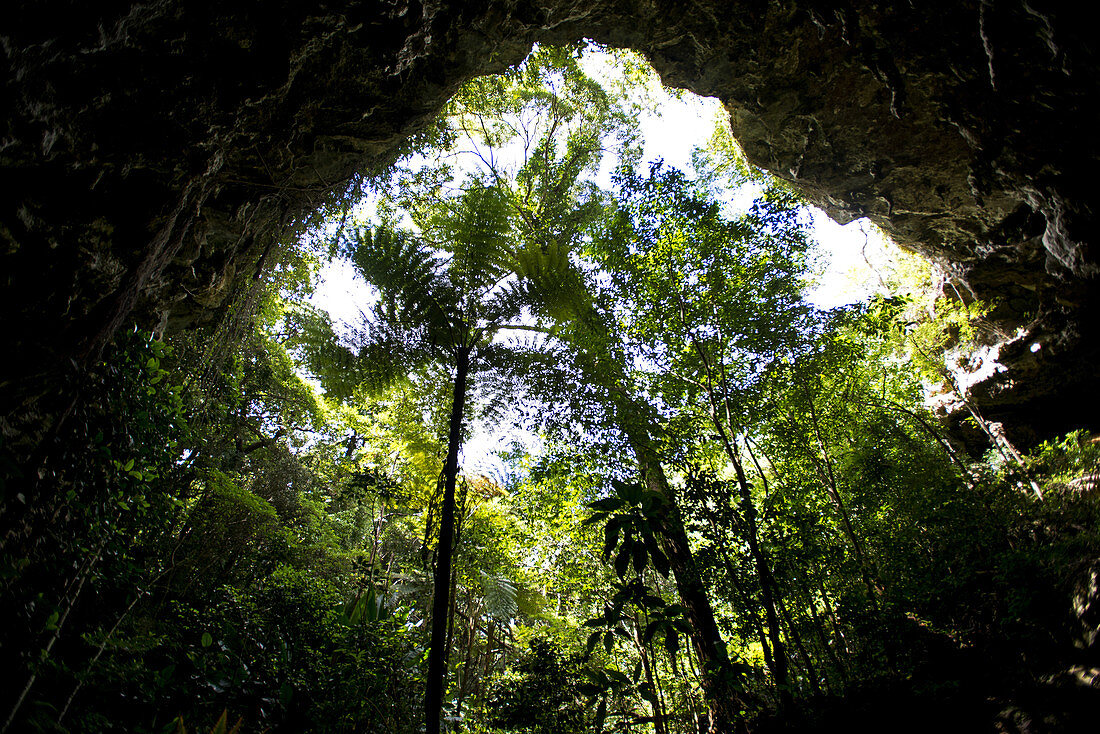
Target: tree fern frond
(501,597)
(474,229)
(552,283)
(312,337)
(406,272)
(506,304)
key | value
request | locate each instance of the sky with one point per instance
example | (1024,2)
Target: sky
(685,122)
(848,251)
(848,255)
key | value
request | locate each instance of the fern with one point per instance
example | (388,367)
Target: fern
(501,597)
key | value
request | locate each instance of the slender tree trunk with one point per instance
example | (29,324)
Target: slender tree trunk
(487,664)
(832,488)
(437,661)
(768,590)
(826,645)
(468,661)
(68,602)
(833,618)
(717,675)
(647,668)
(796,640)
(746,601)
(726,426)
(452,611)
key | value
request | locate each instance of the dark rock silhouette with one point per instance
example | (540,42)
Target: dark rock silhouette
(152,153)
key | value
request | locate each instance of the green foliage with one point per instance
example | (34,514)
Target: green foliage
(202,532)
(692,278)
(286,652)
(541,695)
(1072,460)
(631,525)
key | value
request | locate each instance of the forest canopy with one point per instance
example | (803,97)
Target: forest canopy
(720,507)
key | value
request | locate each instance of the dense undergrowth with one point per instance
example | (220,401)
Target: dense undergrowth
(195,560)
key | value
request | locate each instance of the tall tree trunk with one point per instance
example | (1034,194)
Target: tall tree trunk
(831,614)
(648,669)
(744,597)
(717,675)
(437,659)
(827,645)
(487,666)
(468,662)
(795,639)
(832,488)
(769,592)
(727,427)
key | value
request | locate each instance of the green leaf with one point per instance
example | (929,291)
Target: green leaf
(596,676)
(630,493)
(660,560)
(601,710)
(672,642)
(607,504)
(611,535)
(683,625)
(501,597)
(622,560)
(593,640)
(616,676)
(638,556)
(207,639)
(595,518)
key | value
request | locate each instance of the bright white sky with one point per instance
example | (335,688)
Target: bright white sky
(846,253)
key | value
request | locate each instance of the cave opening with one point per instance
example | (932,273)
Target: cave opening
(189,528)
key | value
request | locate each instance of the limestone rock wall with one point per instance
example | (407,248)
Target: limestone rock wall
(151,152)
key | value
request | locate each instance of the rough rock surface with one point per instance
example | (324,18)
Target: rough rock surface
(151,152)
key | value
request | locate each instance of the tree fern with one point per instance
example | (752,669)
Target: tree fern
(501,597)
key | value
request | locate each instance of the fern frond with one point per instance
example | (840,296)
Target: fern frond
(474,229)
(501,597)
(553,285)
(407,273)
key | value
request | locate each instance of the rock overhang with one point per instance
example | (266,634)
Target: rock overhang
(150,153)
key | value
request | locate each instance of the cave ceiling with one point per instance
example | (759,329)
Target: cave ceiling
(152,153)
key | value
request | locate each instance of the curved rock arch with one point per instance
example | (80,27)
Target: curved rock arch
(151,152)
